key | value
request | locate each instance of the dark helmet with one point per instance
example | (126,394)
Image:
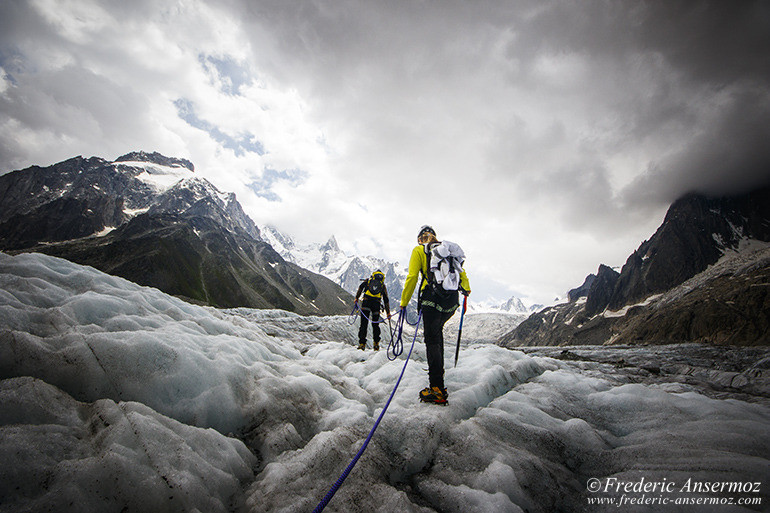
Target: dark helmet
(426,229)
(378,275)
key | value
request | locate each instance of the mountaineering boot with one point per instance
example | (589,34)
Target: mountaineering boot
(433,395)
(362,346)
(376,345)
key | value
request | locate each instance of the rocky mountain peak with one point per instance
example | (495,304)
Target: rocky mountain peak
(331,245)
(329,260)
(281,242)
(695,233)
(601,290)
(514,305)
(146,218)
(195,196)
(581,291)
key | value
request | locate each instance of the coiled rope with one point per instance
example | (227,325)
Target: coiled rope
(396,345)
(344,475)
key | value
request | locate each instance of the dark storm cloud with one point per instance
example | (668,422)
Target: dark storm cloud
(730,156)
(715,41)
(709,51)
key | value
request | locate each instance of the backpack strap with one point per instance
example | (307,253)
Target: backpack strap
(423,276)
(427,275)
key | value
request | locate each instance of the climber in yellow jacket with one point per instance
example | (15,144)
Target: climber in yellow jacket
(438,303)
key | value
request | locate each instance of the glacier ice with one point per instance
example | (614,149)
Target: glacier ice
(114,395)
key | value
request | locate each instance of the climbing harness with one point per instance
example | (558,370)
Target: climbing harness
(344,475)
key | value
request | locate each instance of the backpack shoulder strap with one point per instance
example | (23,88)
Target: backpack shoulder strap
(428,254)
(424,275)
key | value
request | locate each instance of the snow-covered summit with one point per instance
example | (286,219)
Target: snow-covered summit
(487,321)
(157,171)
(189,190)
(329,260)
(331,246)
(196,196)
(280,242)
(513,305)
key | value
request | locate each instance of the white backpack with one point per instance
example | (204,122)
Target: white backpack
(445,262)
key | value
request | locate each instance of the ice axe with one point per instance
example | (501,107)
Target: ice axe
(460,332)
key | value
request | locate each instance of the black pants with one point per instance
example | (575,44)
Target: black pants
(433,324)
(370,309)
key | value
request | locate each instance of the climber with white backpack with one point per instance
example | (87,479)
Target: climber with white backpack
(441,266)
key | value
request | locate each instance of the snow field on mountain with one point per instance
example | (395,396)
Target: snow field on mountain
(158,176)
(117,395)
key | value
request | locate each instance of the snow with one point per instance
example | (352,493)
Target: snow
(329,260)
(105,231)
(159,177)
(118,396)
(623,311)
(202,188)
(64,455)
(513,306)
(133,212)
(748,254)
(482,327)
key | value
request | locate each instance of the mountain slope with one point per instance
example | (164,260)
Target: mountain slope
(696,249)
(728,304)
(158,225)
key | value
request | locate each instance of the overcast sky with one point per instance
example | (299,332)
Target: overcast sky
(543,137)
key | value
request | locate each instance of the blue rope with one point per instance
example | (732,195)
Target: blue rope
(356,307)
(354,316)
(396,345)
(344,475)
(416,323)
